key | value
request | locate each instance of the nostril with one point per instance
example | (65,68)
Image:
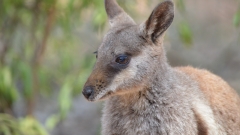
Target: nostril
(87,91)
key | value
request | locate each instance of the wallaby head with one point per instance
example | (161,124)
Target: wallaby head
(130,54)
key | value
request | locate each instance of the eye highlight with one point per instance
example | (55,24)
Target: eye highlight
(122,59)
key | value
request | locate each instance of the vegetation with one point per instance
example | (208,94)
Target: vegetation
(41,53)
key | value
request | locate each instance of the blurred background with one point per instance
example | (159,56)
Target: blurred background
(46,55)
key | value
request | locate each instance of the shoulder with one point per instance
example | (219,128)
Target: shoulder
(223,100)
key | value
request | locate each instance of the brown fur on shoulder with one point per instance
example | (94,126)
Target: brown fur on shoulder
(222,98)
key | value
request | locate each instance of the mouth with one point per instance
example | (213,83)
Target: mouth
(100,97)
(106,95)
(91,99)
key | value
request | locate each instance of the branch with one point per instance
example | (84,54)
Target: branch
(37,59)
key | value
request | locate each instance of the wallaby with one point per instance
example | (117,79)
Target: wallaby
(144,94)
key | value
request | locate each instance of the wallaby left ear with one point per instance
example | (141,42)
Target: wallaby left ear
(158,22)
(116,15)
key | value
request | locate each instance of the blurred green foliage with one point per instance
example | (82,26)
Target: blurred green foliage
(24,126)
(184,30)
(180,5)
(36,56)
(8,93)
(236,18)
(185,33)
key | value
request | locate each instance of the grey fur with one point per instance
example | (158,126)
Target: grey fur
(150,97)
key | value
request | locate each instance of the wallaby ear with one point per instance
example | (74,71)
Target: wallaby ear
(116,15)
(158,22)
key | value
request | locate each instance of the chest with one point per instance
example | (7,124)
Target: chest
(147,119)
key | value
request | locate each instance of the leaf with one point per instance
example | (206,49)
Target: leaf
(52,121)
(9,125)
(5,130)
(100,17)
(30,126)
(44,81)
(8,93)
(7,79)
(65,99)
(180,5)
(13,95)
(26,78)
(185,33)
(236,18)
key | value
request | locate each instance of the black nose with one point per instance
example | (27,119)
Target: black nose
(88,91)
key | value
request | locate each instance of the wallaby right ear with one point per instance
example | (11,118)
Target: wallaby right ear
(158,22)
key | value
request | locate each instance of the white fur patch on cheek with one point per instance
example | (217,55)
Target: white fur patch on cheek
(129,73)
(120,78)
(123,76)
(126,75)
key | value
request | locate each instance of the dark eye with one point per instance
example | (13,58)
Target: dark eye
(122,59)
